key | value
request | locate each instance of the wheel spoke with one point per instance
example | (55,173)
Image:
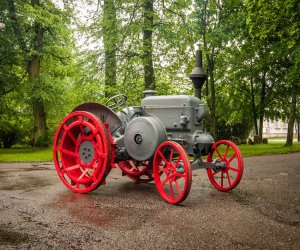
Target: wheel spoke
(180,175)
(68,132)
(228,178)
(171,189)
(83,174)
(163,170)
(80,120)
(68,152)
(163,157)
(77,166)
(216,149)
(214,173)
(232,157)
(226,152)
(177,162)
(177,187)
(81,130)
(233,169)
(165,181)
(222,179)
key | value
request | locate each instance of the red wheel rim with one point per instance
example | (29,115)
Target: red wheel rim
(229,177)
(139,173)
(82,152)
(172,172)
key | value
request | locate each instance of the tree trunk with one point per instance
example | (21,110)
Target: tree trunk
(34,65)
(110,46)
(39,114)
(254,111)
(40,126)
(149,77)
(290,133)
(210,58)
(212,95)
(254,114)
(262,105)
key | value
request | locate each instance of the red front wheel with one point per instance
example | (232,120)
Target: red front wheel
(82,152)
(229,165)
(172,172)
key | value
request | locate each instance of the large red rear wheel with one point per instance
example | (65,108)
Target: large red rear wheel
(139,172)
(172,172)
(82,152)
(226,155)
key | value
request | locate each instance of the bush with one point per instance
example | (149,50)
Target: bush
(265,141)
(244,141)
(43,141)
(225,131)
(251,142)
(9,134)
(256,139)
(236,140)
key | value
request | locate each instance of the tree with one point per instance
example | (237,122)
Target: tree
(110,38)
(213,38)
(277,22)
(40,30)
(148,14)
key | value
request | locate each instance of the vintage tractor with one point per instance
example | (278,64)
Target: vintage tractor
(161,140)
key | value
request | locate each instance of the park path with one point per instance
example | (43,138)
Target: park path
(38,212)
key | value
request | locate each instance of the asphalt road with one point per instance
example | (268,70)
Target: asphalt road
(38,212)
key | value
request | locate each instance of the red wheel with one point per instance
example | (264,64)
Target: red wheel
(82,152)
(226,155)
(172,172)
(138,172)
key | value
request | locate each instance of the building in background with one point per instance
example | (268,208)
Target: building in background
(277,129)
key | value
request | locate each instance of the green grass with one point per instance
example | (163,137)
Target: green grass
(36,154)
(273,148)
(25,154)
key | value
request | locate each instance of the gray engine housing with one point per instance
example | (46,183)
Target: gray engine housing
(142,137)
(182,116)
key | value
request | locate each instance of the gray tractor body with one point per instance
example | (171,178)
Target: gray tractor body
(177,118)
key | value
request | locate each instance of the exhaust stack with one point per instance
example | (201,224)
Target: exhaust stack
(198,76)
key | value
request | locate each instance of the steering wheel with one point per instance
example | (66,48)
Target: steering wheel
(116,101)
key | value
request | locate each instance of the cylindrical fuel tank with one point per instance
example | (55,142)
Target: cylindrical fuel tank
(142,137)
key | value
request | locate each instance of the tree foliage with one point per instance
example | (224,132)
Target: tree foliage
(55,55)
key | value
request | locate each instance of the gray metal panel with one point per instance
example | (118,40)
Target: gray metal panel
(172,100)
(171,117)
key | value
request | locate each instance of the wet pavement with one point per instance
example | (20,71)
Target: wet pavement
(38,212)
